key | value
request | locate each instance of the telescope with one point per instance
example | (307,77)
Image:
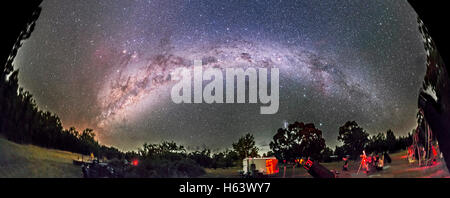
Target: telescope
(316,170)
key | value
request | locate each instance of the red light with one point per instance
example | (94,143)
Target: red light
(271,166)
(135,162)
(434,151)
(308,165)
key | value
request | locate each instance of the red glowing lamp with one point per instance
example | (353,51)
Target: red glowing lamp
(135,162)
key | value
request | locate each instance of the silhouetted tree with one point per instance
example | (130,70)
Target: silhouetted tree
(354,138)
(203,157)
(391,141)
(340,152)
(166,159)
(246,147)
(224,159)
(377,144)
(326,154)
(231,157)
(388,142)
(298,140)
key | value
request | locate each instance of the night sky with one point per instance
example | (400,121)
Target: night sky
(106,65)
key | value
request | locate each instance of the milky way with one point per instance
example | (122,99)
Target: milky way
(107,66)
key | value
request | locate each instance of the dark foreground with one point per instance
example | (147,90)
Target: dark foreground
(34,162)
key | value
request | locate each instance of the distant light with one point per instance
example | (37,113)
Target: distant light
(135,162)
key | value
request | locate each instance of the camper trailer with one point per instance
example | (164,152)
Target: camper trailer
(256,167)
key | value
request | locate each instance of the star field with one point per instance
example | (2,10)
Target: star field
(106,65)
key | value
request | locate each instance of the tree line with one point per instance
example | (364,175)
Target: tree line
(297,140)
(305,140)
(23,122)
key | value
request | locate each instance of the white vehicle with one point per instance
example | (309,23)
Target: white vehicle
(264,165)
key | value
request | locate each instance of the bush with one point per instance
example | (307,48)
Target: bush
(166,168)
(165,160)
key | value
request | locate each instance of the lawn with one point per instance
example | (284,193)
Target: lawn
(232,172)
(28,161)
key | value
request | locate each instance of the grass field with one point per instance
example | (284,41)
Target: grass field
(222,172)
(28,161)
